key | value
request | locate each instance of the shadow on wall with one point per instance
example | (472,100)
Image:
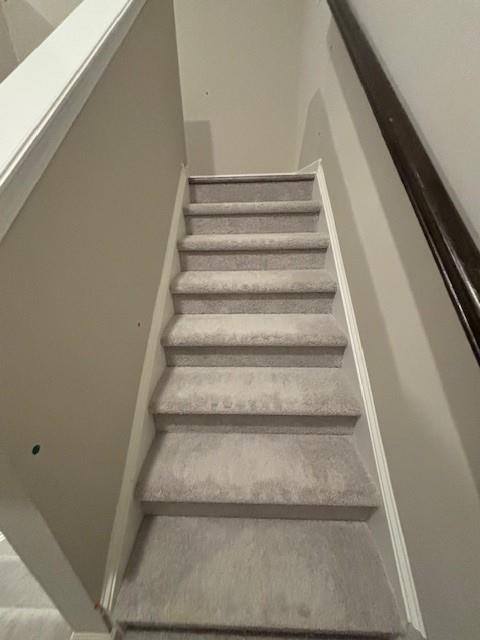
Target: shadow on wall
(198,135)
(461,389)
(316,129)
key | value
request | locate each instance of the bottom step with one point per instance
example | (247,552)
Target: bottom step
(262,576)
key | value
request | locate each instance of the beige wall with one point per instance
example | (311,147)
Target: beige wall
(425,380)
(431,51)
(239,73)
(79,272)
(29,22)
(8,60)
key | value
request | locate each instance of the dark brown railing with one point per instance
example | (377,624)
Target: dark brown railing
(454,250)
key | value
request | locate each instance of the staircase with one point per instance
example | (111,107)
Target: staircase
(256,501)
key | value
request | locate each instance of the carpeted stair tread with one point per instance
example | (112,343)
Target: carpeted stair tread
(18,588)
(254,390)
(257,574)
(290,207)
(247,188)
(253,282)
(257,470)
(254,242)
(254,330)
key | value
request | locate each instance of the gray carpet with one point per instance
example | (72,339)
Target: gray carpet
(256,500)
(26,612)
(32,624)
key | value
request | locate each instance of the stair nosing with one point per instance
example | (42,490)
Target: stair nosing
(254,208)
(254,242)
(316,281)
(259,340)
(251,177)
(163,479)
(322,409)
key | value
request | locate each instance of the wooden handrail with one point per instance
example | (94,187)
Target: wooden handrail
(455,252)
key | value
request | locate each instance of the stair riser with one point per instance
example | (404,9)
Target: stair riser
(247,261)
(270,223)
(220,423)
(275,511)
(254,356)
(252,191)
(273,303)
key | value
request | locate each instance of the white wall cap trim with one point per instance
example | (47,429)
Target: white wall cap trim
(41,98)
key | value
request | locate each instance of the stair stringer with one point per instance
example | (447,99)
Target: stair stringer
(385,523)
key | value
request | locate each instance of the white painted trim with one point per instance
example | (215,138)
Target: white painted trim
(407,585)
(2,537)
(128,515)
(57,77)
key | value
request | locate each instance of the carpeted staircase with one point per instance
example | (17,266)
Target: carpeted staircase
(254,495)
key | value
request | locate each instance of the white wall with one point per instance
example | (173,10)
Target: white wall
(425,379)
(79,272)
(431,51)
(239,66)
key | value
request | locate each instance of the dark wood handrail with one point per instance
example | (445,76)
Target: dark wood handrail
(455,252)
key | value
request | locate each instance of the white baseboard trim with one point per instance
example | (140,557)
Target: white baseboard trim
(128,514)
(402,562)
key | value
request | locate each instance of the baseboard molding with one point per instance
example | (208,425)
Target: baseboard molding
(414,620)
(128,514)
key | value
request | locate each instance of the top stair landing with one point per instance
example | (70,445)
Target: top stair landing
(252,188)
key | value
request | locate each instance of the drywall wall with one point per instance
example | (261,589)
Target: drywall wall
(8,59)
(54,11)
(431,52)
(31,21)
(238,66)
(425,380)
(79,272)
